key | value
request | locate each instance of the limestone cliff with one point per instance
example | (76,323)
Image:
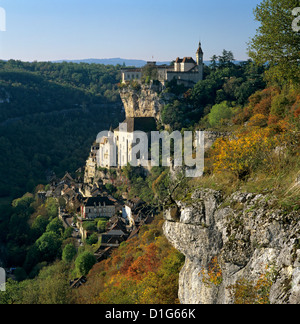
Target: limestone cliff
(246,234)
(145,100)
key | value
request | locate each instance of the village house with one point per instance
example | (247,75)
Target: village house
(114,237)
(137,213)
(97,207)
(131,209)
(125,141)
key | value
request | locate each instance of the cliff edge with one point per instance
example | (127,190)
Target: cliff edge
(235,245)
(144,100)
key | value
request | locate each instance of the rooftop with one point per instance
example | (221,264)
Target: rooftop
(142,124)
(188,60)
(92,201)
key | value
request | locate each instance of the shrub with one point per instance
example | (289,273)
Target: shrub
(244,151)
(259,120)
(219,113)
(246,292)
(69,253)
(84,263)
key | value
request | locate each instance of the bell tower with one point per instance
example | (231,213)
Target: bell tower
(199,55)
(199,60)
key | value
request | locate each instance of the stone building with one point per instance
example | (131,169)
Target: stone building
(185,70)
(97,207)
(117,148)
(91,163)
(125,140)
(131,74)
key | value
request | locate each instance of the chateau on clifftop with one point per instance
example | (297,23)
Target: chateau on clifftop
(185,70)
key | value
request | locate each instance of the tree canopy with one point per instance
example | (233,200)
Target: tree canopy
(276,43)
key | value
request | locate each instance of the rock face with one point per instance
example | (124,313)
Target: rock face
(146,100)
(248,237)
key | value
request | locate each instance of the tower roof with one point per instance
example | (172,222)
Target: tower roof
(199,51)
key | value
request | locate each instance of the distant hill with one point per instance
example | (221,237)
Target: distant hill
(116,61)
(121,61)
(112,61)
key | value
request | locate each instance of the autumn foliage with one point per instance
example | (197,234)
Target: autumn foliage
(242,152)
(248,292)
(270,126)
(213,275)
(275,104)
(144,270)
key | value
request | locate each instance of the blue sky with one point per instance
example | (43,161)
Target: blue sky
(162,30)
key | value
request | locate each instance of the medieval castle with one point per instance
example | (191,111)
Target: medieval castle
(186,71)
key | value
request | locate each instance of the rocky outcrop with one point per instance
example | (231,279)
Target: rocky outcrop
(248,237)
(211,136)
(144,100)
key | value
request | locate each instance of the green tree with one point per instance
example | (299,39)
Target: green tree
(48,246)
(275,42)
(84,263)
(92,239)
(218,113)
(226,59)
(173,115)
(13,293)
(68,233)
(101,225)
(39,226)
(52,208)
(56,226)
(69,253)
(214,62)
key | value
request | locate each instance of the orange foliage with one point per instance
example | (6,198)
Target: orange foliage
(273,103)
(261,101)
(263,107)
(149,262)
(142,270)
(296,107)
(258,120)
(246,292)
(273,120)
(213,275)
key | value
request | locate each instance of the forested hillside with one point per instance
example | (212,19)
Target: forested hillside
(50,114)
